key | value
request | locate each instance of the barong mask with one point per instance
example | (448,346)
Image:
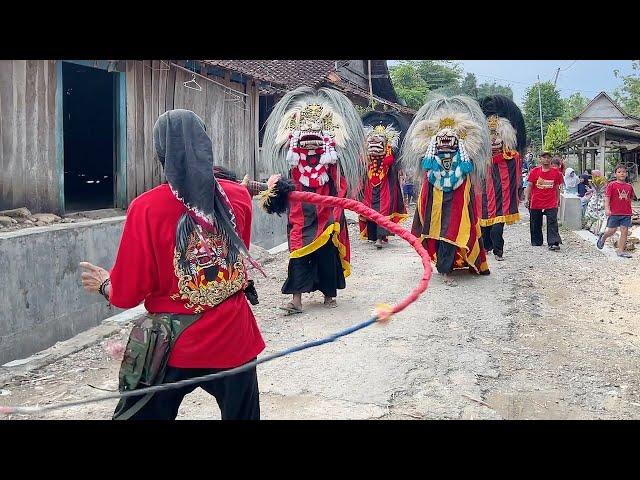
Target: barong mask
(451,138)
(503,136)
(309,130)
(506,126)
(381,142)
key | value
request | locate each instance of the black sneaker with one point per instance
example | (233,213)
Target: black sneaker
(554,248)
(600,242)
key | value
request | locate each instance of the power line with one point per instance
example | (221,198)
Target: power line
(503,79)
(535,83)
(565,69)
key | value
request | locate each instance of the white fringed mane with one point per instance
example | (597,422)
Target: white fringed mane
(348,134)
(507,133)
(468,119)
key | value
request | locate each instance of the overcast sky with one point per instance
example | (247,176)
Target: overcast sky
(589,77)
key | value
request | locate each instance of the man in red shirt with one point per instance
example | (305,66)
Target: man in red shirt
(617,206)
(542,198)
(183,252)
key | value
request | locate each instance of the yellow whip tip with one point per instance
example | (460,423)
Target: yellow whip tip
(384,312)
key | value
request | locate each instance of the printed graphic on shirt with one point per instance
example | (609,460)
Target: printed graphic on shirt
(623,194)
(543,184)
(204,278)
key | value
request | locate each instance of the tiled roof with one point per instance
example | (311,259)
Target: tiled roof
(288,73)
(285,75)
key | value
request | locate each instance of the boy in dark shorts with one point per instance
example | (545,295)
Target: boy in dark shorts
(617,206)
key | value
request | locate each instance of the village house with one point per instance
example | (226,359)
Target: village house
(603,130)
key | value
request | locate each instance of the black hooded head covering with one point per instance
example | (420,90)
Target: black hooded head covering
(503,106)
(181,141)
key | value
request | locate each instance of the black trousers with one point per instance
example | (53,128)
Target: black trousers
(492,238)
(375,231)
(320,270)
(237,395)
(535,226)
(445,256)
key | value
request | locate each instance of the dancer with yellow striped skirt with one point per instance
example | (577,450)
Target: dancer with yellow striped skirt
(499,194)
(316,138)
(450,137)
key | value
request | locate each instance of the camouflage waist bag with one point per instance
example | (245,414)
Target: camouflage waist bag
(145,358)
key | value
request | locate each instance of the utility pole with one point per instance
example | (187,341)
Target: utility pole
(540,108)
(556,79)
(370,86)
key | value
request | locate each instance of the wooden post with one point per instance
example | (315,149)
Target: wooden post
(370,86)
(602,163)
(121,140)
(580,164)
(59,127)
(256,119)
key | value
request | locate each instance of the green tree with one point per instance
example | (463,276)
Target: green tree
(408,84)
(439,73)
(486,89)
(557,133)
(552,109)
(572,106)
(469,85)
(628,94)
(413,79)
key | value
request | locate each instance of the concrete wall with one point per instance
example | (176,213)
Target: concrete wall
(267,231)
(42,299)
(570,213)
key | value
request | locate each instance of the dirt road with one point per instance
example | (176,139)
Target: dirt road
(548,335)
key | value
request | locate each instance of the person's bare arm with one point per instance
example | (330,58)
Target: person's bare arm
(559,193)
(93,276)
(607,206)
(527,195)
(256,187)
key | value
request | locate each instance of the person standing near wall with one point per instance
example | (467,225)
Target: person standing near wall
(542,198)
(183,251)
(571,181)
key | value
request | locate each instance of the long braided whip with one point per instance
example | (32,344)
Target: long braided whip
(295,196)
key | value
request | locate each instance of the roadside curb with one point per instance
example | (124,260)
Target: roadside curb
(108,327)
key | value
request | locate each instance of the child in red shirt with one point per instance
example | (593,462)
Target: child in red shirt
(617,206)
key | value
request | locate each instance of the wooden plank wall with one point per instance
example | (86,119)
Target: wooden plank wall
(147,85)
(28,168)
(230,120)
(28,171)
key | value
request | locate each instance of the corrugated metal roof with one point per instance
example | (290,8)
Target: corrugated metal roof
(592,128)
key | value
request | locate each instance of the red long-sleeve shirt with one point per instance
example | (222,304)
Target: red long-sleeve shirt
(227,334)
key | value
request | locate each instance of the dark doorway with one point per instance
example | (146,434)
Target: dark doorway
(89,137)
(265,106)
